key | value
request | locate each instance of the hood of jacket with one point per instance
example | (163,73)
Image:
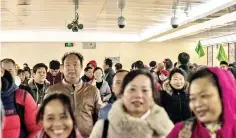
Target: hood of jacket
(157,123)
(228,89)
(8,84)
(167,87)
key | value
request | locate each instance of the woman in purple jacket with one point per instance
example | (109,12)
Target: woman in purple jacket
(213,102)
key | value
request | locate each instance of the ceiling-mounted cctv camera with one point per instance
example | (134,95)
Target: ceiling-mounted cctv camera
(122,4)
(70,25)
(121,22)
(187,10)
(75,26)
(80,26)
(174,22)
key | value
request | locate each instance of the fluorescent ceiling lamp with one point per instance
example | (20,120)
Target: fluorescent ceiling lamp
(195,13)
(224,39)
(60,36)
(208,25)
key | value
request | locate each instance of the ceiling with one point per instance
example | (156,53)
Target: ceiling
(96,15)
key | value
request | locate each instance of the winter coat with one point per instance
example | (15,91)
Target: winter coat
(86,103)
(105,91)
(109,73)
(86,79)
(10,96)
(38,94)
(54,79)
(103,112)
(228,129)
(123,125)
(175,102)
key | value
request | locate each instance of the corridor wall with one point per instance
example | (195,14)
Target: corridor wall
(33,53)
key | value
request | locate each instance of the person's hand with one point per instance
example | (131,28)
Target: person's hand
(46,81)
(93,83)
(30,80)
(104,99)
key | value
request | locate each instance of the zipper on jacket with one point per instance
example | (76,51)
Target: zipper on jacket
(180,106)
(53,80)
(74,96)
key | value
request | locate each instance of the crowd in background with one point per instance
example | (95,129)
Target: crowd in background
(165,99)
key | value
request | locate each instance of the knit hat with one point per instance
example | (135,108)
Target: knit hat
(165,72)
(93,62)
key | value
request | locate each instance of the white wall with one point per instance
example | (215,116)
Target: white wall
(33,53)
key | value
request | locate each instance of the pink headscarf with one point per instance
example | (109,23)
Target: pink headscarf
(228,89)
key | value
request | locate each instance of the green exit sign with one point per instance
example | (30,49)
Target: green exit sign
(68,44)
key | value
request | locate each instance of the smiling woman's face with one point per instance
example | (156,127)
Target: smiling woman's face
(177,81)
(138,96)
(57,122)
(205,100)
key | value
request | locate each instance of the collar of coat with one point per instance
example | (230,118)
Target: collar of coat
(167,88)
(156,124)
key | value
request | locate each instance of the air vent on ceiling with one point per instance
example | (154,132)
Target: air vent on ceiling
(23,2)
(89,45)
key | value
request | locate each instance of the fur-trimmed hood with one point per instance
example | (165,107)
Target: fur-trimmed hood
(156,125)
(167,88)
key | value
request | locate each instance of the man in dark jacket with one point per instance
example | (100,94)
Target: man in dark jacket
(168,64)
(88,74)
(109,72)
(16,124)
(117,82)
(39,84)
(183,60)
(54,75)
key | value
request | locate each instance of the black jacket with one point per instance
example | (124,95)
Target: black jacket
(175,102)
(109,73)
(85,78)
(187,71)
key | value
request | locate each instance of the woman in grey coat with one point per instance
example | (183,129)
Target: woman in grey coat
(101,84)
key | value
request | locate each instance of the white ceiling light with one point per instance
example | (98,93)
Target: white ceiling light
(224,39)
(196,13)
(214,23)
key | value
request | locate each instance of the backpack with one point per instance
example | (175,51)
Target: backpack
(20,109)
(105,128)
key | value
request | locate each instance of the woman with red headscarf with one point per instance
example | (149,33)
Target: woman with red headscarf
(212,98)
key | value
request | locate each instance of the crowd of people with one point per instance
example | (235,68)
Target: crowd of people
(159,100)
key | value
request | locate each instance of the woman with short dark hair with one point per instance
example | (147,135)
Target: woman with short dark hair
(102,85)
(174,96)
(135,115)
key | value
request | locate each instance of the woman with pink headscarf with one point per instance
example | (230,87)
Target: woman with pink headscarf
(212,98)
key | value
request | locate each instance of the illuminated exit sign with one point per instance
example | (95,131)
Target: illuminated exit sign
(69,44)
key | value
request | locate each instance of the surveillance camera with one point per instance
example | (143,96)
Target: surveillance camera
(186,13)
(174,22)
(70,25)
(75,28)
(121,22)
(80,26)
